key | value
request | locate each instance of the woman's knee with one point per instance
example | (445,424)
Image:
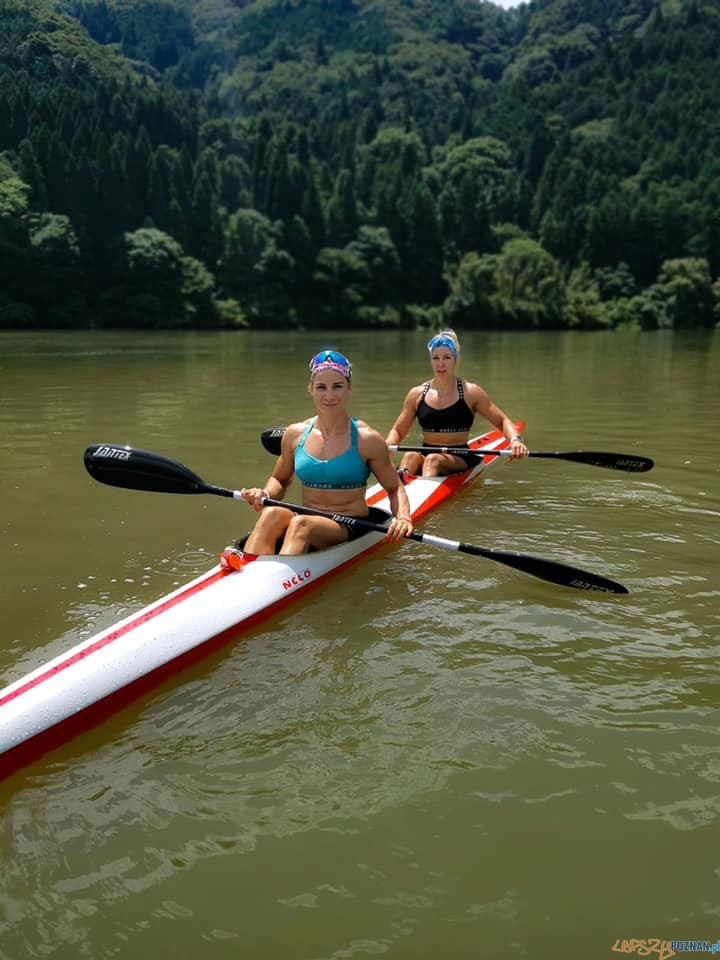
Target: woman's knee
(412,462)
(274,519)
(300,526)
(433,465)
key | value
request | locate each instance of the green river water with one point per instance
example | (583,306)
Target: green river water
(433,757)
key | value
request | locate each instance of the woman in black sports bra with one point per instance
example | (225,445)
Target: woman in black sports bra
(445,407)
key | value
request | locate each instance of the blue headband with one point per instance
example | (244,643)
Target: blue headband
(441,341)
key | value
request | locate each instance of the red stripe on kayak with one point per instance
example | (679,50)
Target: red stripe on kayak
(114,635)
(28,751)
(454,482)
(450,485)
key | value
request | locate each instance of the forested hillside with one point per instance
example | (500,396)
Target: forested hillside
(359,162)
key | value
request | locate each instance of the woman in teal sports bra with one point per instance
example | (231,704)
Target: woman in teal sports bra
(332,454)
(445,407)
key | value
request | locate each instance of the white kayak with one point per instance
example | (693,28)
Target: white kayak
(98,676)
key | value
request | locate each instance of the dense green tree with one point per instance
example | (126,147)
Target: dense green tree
(151,270)
(615,282)
(343,278)
(528,285)
(198,294)
(157,286)
(472,289)
(13,196)
(57,291)
(685,287)
(16,273)
(341,216)
(31,173)
(584,307)
(475,180)
(373,246)
(555,164)
(255,269)
(206,232)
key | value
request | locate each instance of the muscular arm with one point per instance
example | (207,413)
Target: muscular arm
(280,479)
(481,403)
(404,422)
(373,448)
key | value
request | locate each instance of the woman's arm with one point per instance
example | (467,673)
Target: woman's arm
(372,448)
(404,422)
(481,404)
(281,477)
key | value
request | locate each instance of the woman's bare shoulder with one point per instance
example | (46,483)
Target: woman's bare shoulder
(415,392)
(474,388)
(364,429)
(368,434)
(294,431)
(476,396)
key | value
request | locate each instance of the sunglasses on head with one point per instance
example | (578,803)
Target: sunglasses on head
(332,360)
(329,356)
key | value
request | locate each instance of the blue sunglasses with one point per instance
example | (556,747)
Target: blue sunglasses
(333,360)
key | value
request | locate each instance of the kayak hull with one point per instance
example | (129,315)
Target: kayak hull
(94,679)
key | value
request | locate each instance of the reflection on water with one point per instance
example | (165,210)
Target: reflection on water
(436,756)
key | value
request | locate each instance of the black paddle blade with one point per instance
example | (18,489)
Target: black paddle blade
(272,439)
(134,469)
(628,462)
(550,570)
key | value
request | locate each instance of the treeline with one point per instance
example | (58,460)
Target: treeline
(208,164)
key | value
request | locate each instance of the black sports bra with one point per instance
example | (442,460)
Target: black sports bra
(455,419)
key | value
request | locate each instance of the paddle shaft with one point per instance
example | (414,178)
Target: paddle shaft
(593,458)
(549,570)
(135,469)
(628,462)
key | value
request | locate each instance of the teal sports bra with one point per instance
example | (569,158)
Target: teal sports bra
(347,472)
